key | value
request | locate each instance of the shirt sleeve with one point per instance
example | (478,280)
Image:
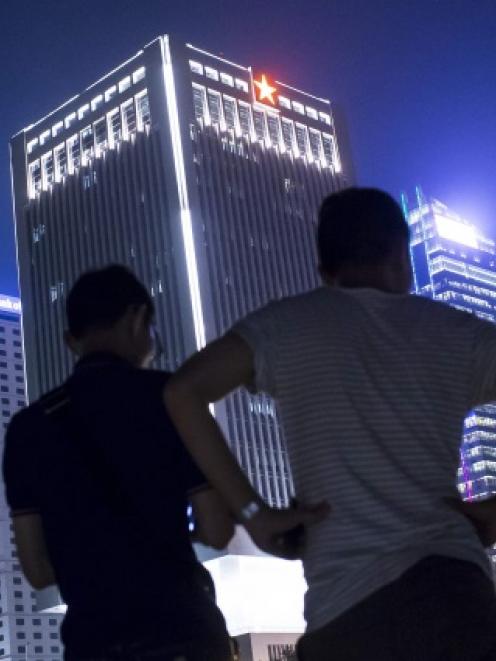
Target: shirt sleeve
(483,361)
(260,331)
(19,466)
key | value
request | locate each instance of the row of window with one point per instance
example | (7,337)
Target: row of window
(241,84)
(85,109)
(15,331)
(78,150)
(211,107)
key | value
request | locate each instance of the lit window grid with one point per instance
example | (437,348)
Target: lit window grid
(79,149)
(210,108)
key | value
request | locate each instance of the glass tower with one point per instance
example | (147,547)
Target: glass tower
(455,263)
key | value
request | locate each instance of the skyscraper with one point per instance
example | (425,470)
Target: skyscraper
(201,175)
(455,263)
(204,177)
(24,633)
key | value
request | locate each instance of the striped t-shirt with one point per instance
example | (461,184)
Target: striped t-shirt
(372,390)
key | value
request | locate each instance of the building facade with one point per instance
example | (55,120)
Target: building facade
(205,178)
(25,633)
(453,262)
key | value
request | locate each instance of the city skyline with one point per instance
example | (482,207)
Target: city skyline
(430,122)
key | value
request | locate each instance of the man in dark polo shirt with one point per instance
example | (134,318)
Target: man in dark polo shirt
(99,484)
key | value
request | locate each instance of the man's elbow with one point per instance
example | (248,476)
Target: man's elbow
(39,580)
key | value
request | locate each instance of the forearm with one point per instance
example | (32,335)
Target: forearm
(205,442)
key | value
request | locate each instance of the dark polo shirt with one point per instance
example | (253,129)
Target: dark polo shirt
(100,461)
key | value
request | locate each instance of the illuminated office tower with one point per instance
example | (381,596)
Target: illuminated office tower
(24,633)
(201,175)
(453,262)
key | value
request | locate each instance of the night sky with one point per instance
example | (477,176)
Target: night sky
(415,78)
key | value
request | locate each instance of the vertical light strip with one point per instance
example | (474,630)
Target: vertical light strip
(186,224)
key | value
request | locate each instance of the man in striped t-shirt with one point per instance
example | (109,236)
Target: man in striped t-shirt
(372,386)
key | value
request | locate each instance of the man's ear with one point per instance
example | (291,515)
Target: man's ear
(140,317)
(72,343)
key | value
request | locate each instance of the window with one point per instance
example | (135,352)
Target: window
(259,123)
(18,367)
(124,84)
(34,178)
(54,649)
(86,145)
(288,134)
(227,79)
(284,102)
(245,121)
(100,129)
(83,111)
(60,156)
(32,144)
(97,102)
(18,608)
(138,75)
(328,148)
(47,170)
(199,100)
(73,153)
(54,636)
(214,106)
(20,391)
(213,74)
(16,343)
(36,622)
(21,649)
(15,331)
(44,137)
(37,635)
(274,129)
(128,118)
(52,622)
(110,93)
(299,107)
(17,594)
(38,649)
(21,635)
(196,67)
(69,120)
(19,379)
(315,144)
(114,126)
(312,113)
(143,110)
(302,139)
(230,112)
(241,85)
(4,399)
(3,388)
(57,128)
(324,117)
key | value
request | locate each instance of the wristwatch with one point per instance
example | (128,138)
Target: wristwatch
(249,511)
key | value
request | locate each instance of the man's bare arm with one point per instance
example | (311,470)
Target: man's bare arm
(208,376)
(214,524)
(32,550)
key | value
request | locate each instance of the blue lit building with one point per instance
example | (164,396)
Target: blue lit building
(453,262)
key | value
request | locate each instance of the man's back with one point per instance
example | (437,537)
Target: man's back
(372,390)
(102,464)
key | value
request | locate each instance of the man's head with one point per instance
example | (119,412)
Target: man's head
(110,310)
(363,241)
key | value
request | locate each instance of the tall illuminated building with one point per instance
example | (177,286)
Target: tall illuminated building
(204,177)
(455,263)
(24,632)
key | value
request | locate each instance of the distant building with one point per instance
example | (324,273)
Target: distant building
(25,634)
(455,263)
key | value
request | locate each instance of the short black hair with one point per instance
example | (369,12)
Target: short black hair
(100,298)
(358,226)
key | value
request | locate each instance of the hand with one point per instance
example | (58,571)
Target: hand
(282,532)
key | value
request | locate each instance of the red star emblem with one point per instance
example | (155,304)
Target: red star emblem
(265,90)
